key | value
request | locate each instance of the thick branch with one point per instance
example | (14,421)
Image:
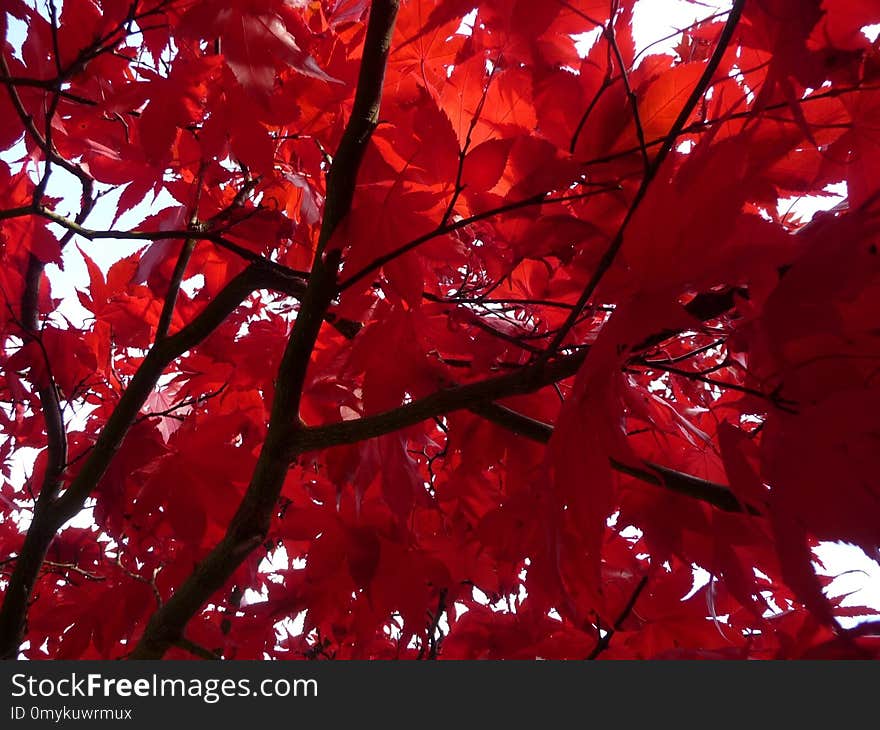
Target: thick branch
(479,396)
(519,382)
(167,315)
(52,512)
(712,493)
(144,381)
(525,380)
(251,521)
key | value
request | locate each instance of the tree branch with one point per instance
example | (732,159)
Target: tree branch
(783,404)
(31,128)
(186,252)
(712,493)
(611,252)
(630,95)
(92,234)
(444,228)
(527,379)
(52,511)
(251,522)
(604,641)
(196,650)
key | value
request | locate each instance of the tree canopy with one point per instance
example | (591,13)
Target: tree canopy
(452,330)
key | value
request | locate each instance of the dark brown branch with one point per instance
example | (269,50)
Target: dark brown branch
(611,252)
(783,404)
(16,212)
(108,42)
(52,512)
(92,234)
(151,582)
(702,125)
(186,252)
(462,153)
(712,493)
(604,641)
(53,17)
(485,326)
(48,85)
(443,229)
(513,302)
(679,31)
(647,361)
(630,95)
(479,397)
(525,380)
(187,403)
(251,522)
(48,520)
(196,650)
(61,568)
(31,128)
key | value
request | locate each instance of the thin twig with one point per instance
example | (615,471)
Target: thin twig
(783,404)
(188,403)
(610,254)
(630,95)
(73,567)
(433,628)
(440,230)
(604,641)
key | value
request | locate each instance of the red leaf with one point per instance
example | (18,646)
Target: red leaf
(493,380)
(484,165)
(402,482)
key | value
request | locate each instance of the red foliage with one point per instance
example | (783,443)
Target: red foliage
(436,359)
